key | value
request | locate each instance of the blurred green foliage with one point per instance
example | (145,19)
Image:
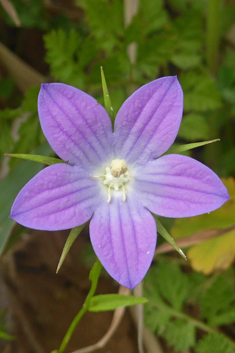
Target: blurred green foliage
(172,38)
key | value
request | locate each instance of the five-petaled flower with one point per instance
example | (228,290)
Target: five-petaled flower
(116,178)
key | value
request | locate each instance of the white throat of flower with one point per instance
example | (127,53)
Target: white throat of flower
(115,177)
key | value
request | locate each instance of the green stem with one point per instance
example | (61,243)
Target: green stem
(213,34)
(95,277)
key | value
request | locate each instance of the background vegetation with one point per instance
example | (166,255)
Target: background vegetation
(191,304)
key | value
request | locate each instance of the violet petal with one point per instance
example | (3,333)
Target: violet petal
(77,127)
(148,121)
(59,197)
(179,186)
(123,235)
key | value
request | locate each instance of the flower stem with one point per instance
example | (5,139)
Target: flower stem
(94,277)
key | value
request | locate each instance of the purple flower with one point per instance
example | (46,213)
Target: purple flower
(116,178)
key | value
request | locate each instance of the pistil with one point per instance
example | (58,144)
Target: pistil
(115,177)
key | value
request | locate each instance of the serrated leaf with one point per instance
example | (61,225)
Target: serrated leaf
(180,335)
(110,21)
(107,302)
(186,61)
(218,300)
(152,16)
(215,343)
(164,233)
(36,158)
(165,283)
(172,284)
(156,320)
(200,92)
(64,50)
(69,242)
(224,318)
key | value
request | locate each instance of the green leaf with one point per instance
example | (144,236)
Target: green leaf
(218,301)
(152,16)
(93,277)
(215,343)
(6,336)
(200,92)
(186,60)
(108,27)
(108,302)
(107,100)
(6,140)
(9,188)
(36,158)
(173,284)
(194,127)
(188,146)
(180,335)
(69,242)
(6,87)
(161,230)
(156,320)
(69,55)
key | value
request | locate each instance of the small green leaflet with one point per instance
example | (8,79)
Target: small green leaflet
(164,233)
(180,335)
(107,100)
(36,158)
(216,343)
(69,242)
(108,302)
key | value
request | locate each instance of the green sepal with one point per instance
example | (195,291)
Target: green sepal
(164,233)
(69,242)
(36,158)
(189,146)
(107,100)
(93,277)
(107,302)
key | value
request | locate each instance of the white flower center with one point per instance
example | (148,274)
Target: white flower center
(115,177)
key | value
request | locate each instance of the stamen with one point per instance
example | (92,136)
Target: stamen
(98,176)
(109,198)
(124,193)
(127,173)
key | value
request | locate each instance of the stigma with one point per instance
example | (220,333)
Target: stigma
(115,177)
